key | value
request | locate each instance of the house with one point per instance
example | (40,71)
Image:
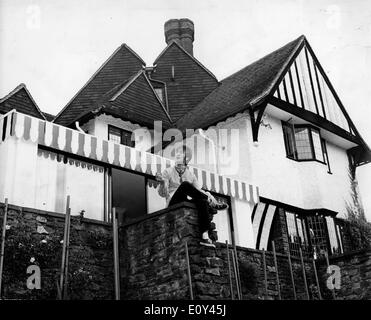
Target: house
(273,140)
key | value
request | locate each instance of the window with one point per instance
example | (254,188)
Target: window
(297,234)
(303,143)
(318,235)
(334,236)
(160,94)
(325,154)
(121,136)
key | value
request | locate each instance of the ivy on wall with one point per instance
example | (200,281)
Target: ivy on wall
(90,268)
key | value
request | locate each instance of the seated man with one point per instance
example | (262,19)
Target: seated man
(178,183)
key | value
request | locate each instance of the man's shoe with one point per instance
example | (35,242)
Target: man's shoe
(220,206)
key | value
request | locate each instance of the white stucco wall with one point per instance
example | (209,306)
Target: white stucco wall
(18,171)
(306,185)
(29,179)
(144,137)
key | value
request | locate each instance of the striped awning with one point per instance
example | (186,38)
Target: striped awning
(262,218)
(74,142)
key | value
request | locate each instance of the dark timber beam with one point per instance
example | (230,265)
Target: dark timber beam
(313,118)
(256,115)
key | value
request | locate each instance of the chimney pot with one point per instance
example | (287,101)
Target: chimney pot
(181,31)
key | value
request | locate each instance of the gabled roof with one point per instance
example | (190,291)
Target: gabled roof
(242,89)
(134,100)
(191,83)
(49,117)
(21,100)
(119,67)
(174,43)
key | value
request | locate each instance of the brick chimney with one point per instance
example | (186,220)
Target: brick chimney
(182,32)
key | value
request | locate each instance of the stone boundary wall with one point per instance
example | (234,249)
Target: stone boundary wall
(153,261)
(35,235)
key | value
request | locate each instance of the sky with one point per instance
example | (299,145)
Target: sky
(54,46)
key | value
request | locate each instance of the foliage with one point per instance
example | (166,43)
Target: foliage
(357,227)
(355,210)
(24,246)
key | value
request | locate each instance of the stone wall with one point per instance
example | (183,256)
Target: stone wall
(355,276)
(34,237)
(153,261)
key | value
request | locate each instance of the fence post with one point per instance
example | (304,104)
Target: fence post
(238,280)
(3,245)
(235,276)
(292,274)
(328,264)
(64,250)
(189,272)
(277,275)
(304,275)
(317,281)
(265,274)
(116,253)
(229,272)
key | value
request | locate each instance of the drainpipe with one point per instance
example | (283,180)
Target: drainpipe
(78,127)
(202,134)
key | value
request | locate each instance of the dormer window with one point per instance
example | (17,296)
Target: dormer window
(121,136)
(304,143)
(160,94)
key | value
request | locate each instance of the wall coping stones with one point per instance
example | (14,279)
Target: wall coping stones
(54,214)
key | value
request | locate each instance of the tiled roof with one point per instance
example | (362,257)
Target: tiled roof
(133,100)
(21,100)
(49,117)
(238,91)
(123,64)
(192,81)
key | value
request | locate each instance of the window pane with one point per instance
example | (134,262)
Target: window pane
(126,138)
(303,145)
(288,133)
(114,134)
(290,219)
(338,230)
(300,230)
(160,94)
(332,235)
(317,145)
(318,235)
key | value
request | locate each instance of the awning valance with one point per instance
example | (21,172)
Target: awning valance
(91,147)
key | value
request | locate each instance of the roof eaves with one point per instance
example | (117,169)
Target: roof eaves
(189,55)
